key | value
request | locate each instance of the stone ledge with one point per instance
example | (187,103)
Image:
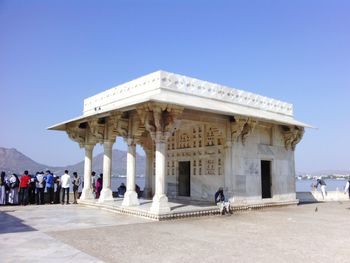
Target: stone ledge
(195,212)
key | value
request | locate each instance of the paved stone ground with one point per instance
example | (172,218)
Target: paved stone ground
(55,233)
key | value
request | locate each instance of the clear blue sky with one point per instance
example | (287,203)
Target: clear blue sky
(53,54)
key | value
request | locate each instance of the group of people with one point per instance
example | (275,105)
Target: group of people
(30,189)
(97,185)
(323,186)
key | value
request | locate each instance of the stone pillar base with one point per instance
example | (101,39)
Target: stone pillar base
(130,199)
(147,193)
(106,195)
(87,194)
(160,204)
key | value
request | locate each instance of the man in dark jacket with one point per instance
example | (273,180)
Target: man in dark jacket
(221,203)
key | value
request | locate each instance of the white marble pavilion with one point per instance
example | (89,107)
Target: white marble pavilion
(197,136)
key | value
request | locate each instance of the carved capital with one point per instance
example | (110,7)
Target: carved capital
(237,128)
(241,128)
(130,142)
(97,129)
(248,128)
(159,119)
(292,136)
(146,143)
(77,134)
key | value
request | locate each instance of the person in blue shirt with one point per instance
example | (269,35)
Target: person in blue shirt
(49,185)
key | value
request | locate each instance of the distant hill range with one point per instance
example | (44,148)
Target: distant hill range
(12,160)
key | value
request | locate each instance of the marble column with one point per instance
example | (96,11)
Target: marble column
(87,190)
(130,196)
(147,192)
(106,193)
(160,200)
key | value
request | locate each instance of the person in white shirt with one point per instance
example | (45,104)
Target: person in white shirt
(65,184)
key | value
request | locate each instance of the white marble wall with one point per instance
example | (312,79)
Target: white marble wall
(265,143)
(247,171)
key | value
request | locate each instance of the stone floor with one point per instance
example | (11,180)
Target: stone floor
(179,208)
(316,232)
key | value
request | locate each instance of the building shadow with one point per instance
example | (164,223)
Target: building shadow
(12,224)
(306,198)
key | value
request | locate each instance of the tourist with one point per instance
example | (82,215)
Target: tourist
(322,183)
(40,187)
(121,190)
(65,184)
(99,183)
(347,187)
(75,183)
(23,188)
(31,189)
(49,185)
(220,201)
(56,188)
(93,180)
(13,192)
(3,188)
(138,191)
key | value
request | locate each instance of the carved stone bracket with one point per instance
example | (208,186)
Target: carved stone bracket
(77,134)
(146,143)
(292,136)
(117,125)
(97,129)
(248,128)
(241,128)
(159,119)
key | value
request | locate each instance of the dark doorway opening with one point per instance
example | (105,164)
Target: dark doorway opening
(266,179)
(184,184)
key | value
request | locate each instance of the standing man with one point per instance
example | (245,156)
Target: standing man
(323,185)
(23,188)
(56,188)
(31,189)
(40,187)
(75,183)
(65,184)
(49,185)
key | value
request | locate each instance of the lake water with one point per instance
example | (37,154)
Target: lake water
(116,181)
(301,185)
(332,185)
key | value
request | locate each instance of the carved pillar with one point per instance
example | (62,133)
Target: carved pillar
(87,190)
(147,192)
(160,200)
(159,120)
(130,197)
(106,193)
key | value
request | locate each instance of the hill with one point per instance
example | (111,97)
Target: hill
(12,160)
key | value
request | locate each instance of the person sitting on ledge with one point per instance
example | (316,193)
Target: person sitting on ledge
(223,205)
(121,190)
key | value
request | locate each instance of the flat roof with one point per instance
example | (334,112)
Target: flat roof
(191,93)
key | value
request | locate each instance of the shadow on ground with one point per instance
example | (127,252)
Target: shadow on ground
(12,224)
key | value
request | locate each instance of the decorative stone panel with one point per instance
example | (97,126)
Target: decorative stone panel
(199,143)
